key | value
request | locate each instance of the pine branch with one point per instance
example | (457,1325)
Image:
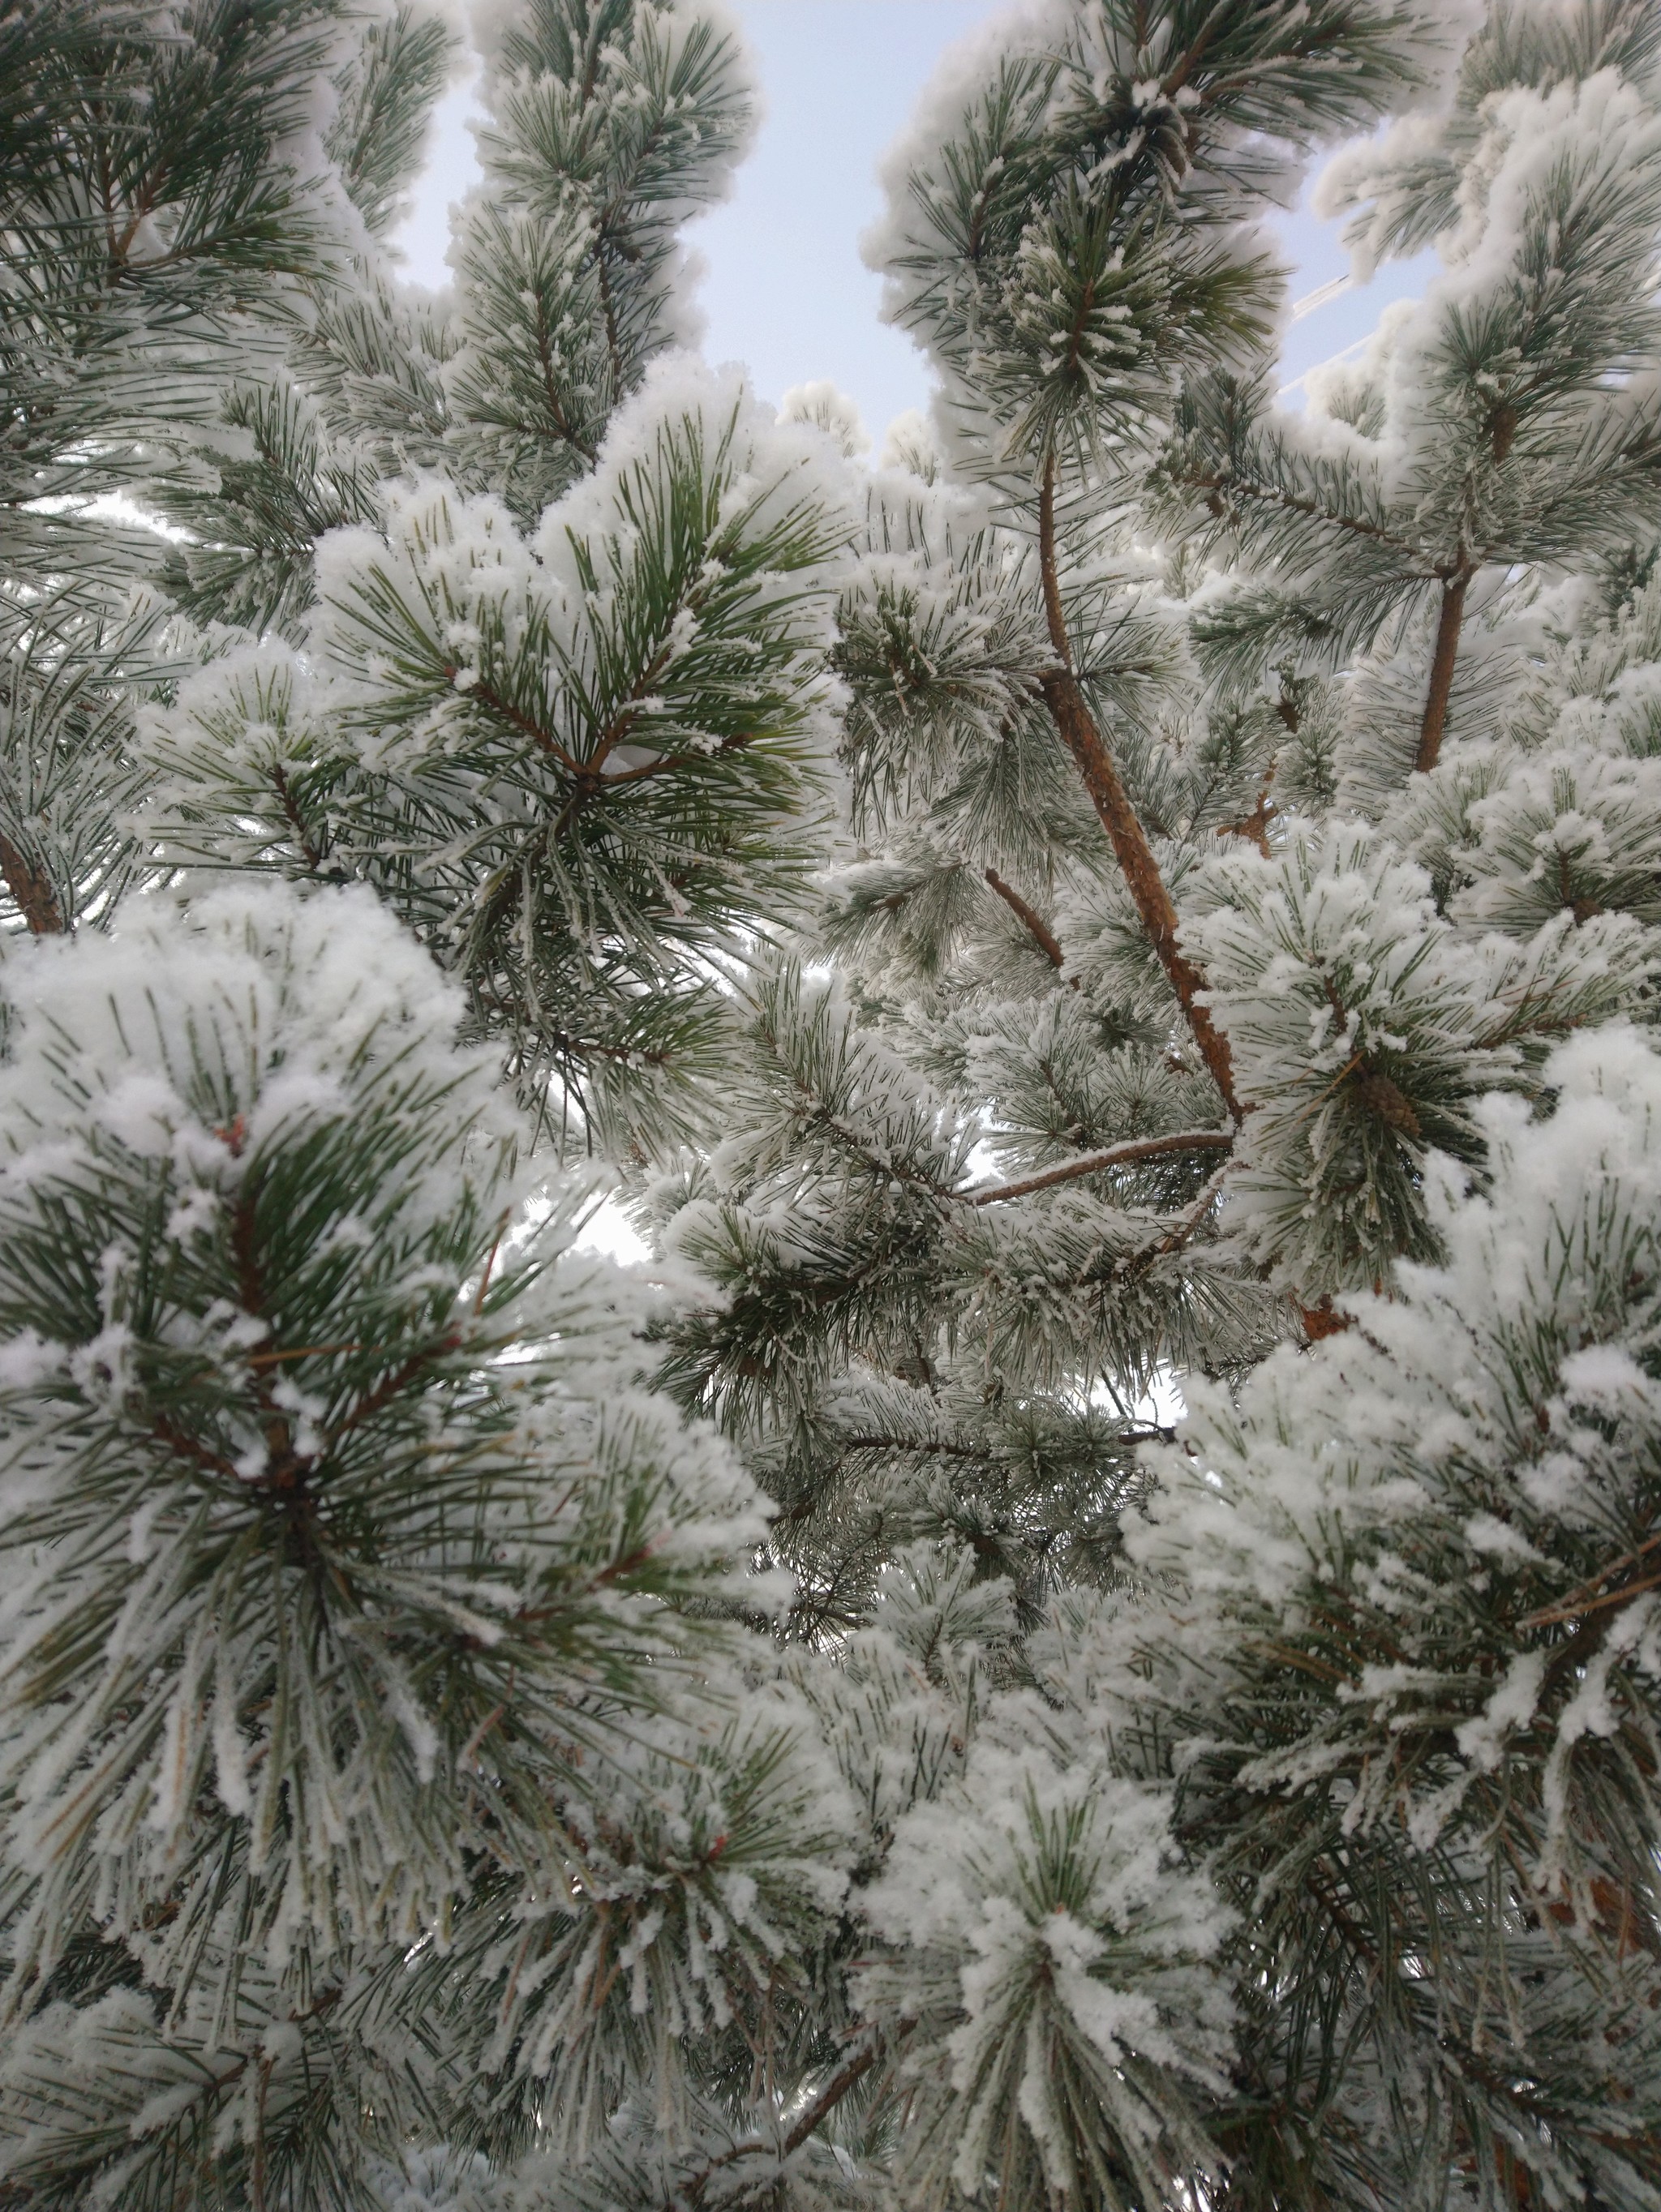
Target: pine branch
(808,2122)
(1125,1155)
(308,849)
(1443,662)
(1584,1598)
(1065,698)
(30,892)
(544,740)
(1215,487)
(557,414)
(1034,923)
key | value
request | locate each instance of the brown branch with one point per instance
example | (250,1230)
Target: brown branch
(734,745)
(1055,613)
(1448,624)
(550,386)
(1254,826)
(144,204)
(829,2097)
(1619,1596)
(1178,1234)
(31,890)
(812,2117)
(609,315)
(287,1469)
(1037,927)
(1177,81)
(390,1385)
(938,1447)
(185,1446)
(590,776)
(1351,1934)
(490,696)
(590,1049)
(310,1351)
(1071,714)
(629,714)
(1587,1599)
(309,851)
(1137,1148)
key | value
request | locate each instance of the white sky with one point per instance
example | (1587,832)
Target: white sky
(785,291)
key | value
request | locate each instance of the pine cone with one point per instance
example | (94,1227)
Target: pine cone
(1388,1101)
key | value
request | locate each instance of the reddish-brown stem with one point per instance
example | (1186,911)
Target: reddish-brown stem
(812,2117)
(388,1388)
(550,392)
(609,314)
(1034,923)
(667,761)
(1441,670)
(1070,711)
(829,2097)
(1255,825)
(489,697)
(1116,1156)
(297,822)
(31,890)
(1568,1609)
(1236,487)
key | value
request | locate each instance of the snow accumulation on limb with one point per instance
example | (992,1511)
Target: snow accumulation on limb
(1080,1631)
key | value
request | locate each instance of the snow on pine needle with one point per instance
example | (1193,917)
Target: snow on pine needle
(338,1523)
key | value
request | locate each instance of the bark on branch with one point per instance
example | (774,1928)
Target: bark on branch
(1114,1156)
(1070,711)
(1448,625)
(813,2117)
(1032,922)
(31,890)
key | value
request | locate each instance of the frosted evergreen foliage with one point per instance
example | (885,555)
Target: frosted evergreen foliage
(1402,1626)
(570,762)
(1250,894)
(1085,1637)
(333,1507)
(576,741)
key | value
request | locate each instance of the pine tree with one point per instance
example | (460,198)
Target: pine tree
(1250,931)
(369,1621)
(1088,1640)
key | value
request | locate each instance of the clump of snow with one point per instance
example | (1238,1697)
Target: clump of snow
(1449,1475)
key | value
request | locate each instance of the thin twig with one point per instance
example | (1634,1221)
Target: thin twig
(1033,922)
(812,2117)
(1566,1608)
(488,696)
(1136,1148)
